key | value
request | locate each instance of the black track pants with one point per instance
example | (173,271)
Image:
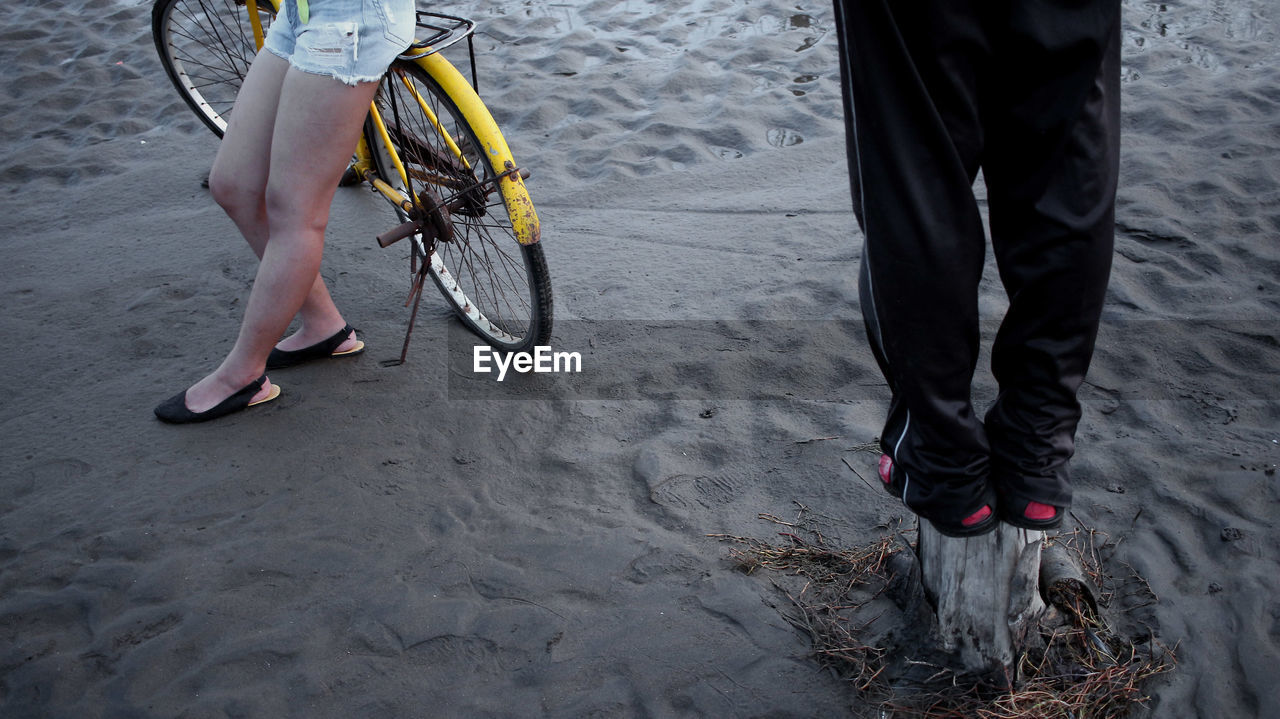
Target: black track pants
(1029,92)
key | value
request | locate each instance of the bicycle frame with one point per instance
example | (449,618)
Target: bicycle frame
(515,196)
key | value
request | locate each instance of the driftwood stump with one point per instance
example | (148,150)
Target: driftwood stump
(985,591)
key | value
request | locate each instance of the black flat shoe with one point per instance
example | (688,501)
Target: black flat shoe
(174,410)
(279,359)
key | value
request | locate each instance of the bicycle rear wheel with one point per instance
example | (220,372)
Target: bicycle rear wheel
(499,288)
(206,47)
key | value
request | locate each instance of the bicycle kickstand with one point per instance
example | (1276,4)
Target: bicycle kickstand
(415,296)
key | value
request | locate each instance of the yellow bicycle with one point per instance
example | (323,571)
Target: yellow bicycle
(430,147)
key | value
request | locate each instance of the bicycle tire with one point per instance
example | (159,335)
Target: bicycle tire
(499,288)
(206,47)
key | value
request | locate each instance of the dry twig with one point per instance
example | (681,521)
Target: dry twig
(1083,671)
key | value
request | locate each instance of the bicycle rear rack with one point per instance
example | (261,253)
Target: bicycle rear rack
(437,32)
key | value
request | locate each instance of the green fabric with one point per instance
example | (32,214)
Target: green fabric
(304,12)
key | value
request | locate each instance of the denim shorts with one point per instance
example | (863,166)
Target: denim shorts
(350,40)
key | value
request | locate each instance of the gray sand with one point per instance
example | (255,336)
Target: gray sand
(379,543)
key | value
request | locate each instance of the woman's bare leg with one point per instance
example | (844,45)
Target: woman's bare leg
(316,127)
(238,183)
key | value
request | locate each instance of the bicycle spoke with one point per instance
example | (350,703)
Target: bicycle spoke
(225,39)
(228,71)
(433,117)
(483,258)
(207,47)
(214,77)
(480,264)
(217,37)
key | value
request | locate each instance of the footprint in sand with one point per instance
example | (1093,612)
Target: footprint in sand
(782,137)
